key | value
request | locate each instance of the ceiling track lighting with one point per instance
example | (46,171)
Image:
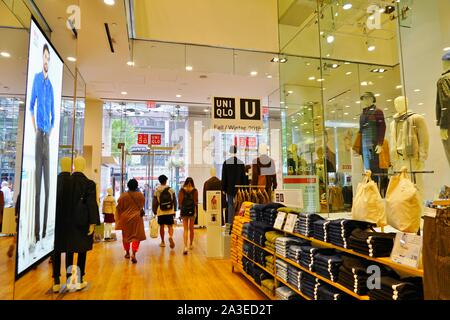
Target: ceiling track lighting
(279,60)
(379,70)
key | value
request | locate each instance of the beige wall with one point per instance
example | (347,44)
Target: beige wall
(93,120)
(243,24)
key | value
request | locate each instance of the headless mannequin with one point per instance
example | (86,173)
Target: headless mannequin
(80,166)
(368,102)
(264,171)
(443,105)
(409,140)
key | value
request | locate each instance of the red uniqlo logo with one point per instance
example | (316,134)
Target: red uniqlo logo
(143,138)
(252,142)
(155,139)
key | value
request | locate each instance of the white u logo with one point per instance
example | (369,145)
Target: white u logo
(250,115)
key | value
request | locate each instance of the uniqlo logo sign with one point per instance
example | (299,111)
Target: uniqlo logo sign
(155,139)
(143,138)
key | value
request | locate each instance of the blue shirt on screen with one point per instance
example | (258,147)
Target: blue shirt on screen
(43,92)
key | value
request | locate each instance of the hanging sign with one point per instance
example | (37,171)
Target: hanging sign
(155,139)
(142,139)
(237,114)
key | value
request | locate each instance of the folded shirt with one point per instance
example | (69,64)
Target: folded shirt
(288,210)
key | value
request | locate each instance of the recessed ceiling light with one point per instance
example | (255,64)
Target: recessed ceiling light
(206,110)
(109,2)
(345,113)
(347,6)
(5,54)
(358,102)
(417,90)
(189,68)
(389,100)
(178,96)
(283,60)
(321,33)
(354,118)
(423,114)
(71,59)
(320,80)
(364,83)
(275,59)
(335,65)
(348,73)
(312,78)
(254,73)
(269,76)
(377,94)
(399,86)
(347,63)
(330,38)
(124,93)
(130,63)
(282,102)
(420,103)
(371,48)
(333,111)
(447,49)
(290,92)
(347,106)
(385,109)
(328,55)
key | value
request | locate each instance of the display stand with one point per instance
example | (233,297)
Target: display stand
(214,235)
(9,226)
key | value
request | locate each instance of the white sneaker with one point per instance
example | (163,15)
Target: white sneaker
(162,244)
(81,286)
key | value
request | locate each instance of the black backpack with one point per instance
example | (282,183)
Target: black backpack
(166,200)
(188,205)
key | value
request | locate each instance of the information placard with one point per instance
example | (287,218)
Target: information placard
(407,249)
(280,220)
(291,220)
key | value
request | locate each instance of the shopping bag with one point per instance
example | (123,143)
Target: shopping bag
(403,204)
(368,205)
(154,227)
(357,145)
(99,232)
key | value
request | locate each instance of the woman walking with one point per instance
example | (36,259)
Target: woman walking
(129,212)
(188,203)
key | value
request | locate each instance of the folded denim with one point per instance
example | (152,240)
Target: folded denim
(380,295)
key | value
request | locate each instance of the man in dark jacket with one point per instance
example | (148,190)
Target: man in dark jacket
(233,174)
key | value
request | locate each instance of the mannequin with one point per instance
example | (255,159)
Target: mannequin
(372,127)
(409,141)
(213,184)
(233,173)
(78,206)
(108,210)
(264,171)
(443,104)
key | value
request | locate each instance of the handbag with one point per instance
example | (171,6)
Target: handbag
(357,144)
(154,227)
(368,205)
(141,210)
(403,204)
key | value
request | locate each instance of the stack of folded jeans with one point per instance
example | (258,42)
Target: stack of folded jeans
(294,253)
(247,249)
(340,230)
(282,270)
(294,277)
(327,292)
(270,212)
(256,212)
(307,256)
(373,244)
(260,275)
(309,285)
(327,264)
(257,232)
(282,244)
(245,229)
(305,223)
(260,255)
(285,293)
(321,230)
(271,238)
(394,288)
(269,263)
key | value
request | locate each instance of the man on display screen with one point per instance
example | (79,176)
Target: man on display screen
(42,111)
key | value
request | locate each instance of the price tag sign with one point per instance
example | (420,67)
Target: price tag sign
(279,221)
(407,249)
(291,220)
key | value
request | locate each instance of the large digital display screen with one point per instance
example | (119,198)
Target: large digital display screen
(36,227)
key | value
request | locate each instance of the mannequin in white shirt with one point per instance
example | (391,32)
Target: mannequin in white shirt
(409,142)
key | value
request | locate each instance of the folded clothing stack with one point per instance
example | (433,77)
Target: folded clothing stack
(254,271)
(394,288)
(247,249)
(371,243)
(271,238)
(353,274)
(245,229)
(327,264)
(257,232)
(321,230)
(282,244)
(294,276)
(307,256)
(259,255)
(269,263)
(309,285)
(288,210)
(245,209)
(327,292)
(339,230)
(305,223)
(268,286)
(285,293)
(270,212)
(237,244)
(294,253)
(282,270)
(256,212)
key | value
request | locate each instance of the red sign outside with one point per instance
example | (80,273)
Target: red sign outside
(151,104)
(245,142)
(155,139)
(143,139)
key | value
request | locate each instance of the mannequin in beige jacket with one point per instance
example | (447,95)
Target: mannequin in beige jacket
(409,142)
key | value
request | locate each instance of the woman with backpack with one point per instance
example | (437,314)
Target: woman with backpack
(130,215)
(188,203)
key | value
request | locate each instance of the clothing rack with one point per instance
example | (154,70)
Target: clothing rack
(239,186)
(413,173)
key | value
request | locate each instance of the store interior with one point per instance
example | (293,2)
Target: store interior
(139,68)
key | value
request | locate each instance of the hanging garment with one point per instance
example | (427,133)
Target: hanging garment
(373,130)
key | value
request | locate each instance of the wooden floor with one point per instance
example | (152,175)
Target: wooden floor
(6,269)
(160,274)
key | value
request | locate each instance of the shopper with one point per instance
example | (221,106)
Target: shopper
(188,203)
(130,218)
(7,194)
(164,206)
